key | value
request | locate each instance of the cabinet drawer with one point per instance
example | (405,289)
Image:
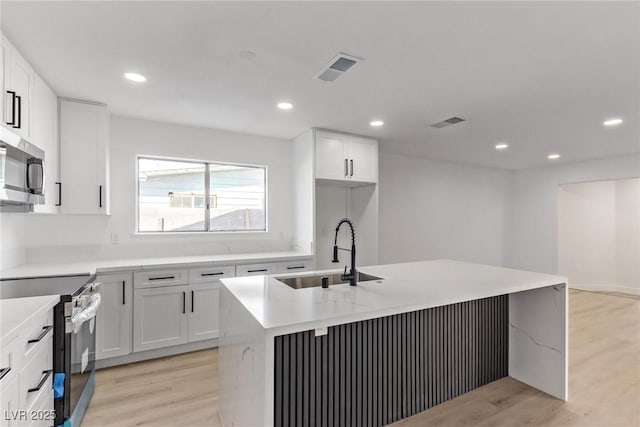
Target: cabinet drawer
(39,329)
(11,359)
(295,266)
(256,269)
(41,411)
(211,274)
(37,374)
(157,278)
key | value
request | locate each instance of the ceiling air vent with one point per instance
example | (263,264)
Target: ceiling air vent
(337,67)
(450,121)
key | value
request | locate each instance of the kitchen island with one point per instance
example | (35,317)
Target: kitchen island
(385,349)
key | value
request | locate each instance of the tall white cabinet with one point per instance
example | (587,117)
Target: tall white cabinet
(343,179)
(84,157)
(45,135)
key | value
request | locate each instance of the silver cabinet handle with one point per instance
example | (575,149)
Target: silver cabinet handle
(346,167)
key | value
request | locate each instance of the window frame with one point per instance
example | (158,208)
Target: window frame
(206,210)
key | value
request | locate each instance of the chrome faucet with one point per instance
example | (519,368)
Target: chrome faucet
(353,274)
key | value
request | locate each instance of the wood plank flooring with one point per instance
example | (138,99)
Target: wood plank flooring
(604,383)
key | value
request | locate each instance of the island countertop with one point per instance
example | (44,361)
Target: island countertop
(405,287)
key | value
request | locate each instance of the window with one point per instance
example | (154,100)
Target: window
(172,196)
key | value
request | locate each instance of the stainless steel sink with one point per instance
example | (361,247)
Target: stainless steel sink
(302,282)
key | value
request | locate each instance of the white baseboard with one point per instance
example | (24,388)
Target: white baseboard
(154,354)
(605,288)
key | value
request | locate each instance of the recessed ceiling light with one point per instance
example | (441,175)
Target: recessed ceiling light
(135,77)
(502,146)
(553,156)
(612,122)
(285,105)
(376,123)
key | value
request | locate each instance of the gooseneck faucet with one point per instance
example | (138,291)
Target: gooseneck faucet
(353,274)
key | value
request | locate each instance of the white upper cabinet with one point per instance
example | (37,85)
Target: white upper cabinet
(45,136)
(346,159)
(84,157)
(18,92)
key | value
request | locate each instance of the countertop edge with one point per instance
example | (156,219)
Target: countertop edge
(87,268)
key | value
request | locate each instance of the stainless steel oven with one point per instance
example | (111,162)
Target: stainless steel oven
(21,173)
(74,338)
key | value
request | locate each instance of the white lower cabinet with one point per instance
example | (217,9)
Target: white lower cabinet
(204,311)
(10,401)
(159,317)
(114,321)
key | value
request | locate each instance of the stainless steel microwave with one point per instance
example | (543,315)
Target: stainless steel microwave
(21,173)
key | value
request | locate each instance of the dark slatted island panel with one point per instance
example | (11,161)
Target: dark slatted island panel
(375,372)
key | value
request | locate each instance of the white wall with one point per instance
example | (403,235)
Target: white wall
(533,234)
(90,236)
(587,233)
(628,235)
(599,235)
(432,209)
(12,230)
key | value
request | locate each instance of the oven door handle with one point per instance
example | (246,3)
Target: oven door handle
(45,377)
(87,313)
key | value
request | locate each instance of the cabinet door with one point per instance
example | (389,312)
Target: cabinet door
(363,159)
(330,156)
(114,323)
(204,311)
(10,402)
(84,157)
(45,136)
(3,84)
(160,317)
(18,79)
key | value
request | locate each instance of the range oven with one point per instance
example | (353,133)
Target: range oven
(74,339)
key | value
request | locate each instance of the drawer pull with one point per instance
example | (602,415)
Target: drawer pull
(162,278)
(212,274)
(297,267)
(257,271)
(45,377)
(4,371)
(45,331)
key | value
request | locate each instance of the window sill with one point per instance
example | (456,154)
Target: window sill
(196,233)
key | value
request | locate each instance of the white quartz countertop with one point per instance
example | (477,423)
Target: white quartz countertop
(104,266)
(406,287)
(15,312)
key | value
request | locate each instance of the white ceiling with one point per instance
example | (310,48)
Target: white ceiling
(541,76)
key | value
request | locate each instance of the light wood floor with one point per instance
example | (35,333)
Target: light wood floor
(604,383)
